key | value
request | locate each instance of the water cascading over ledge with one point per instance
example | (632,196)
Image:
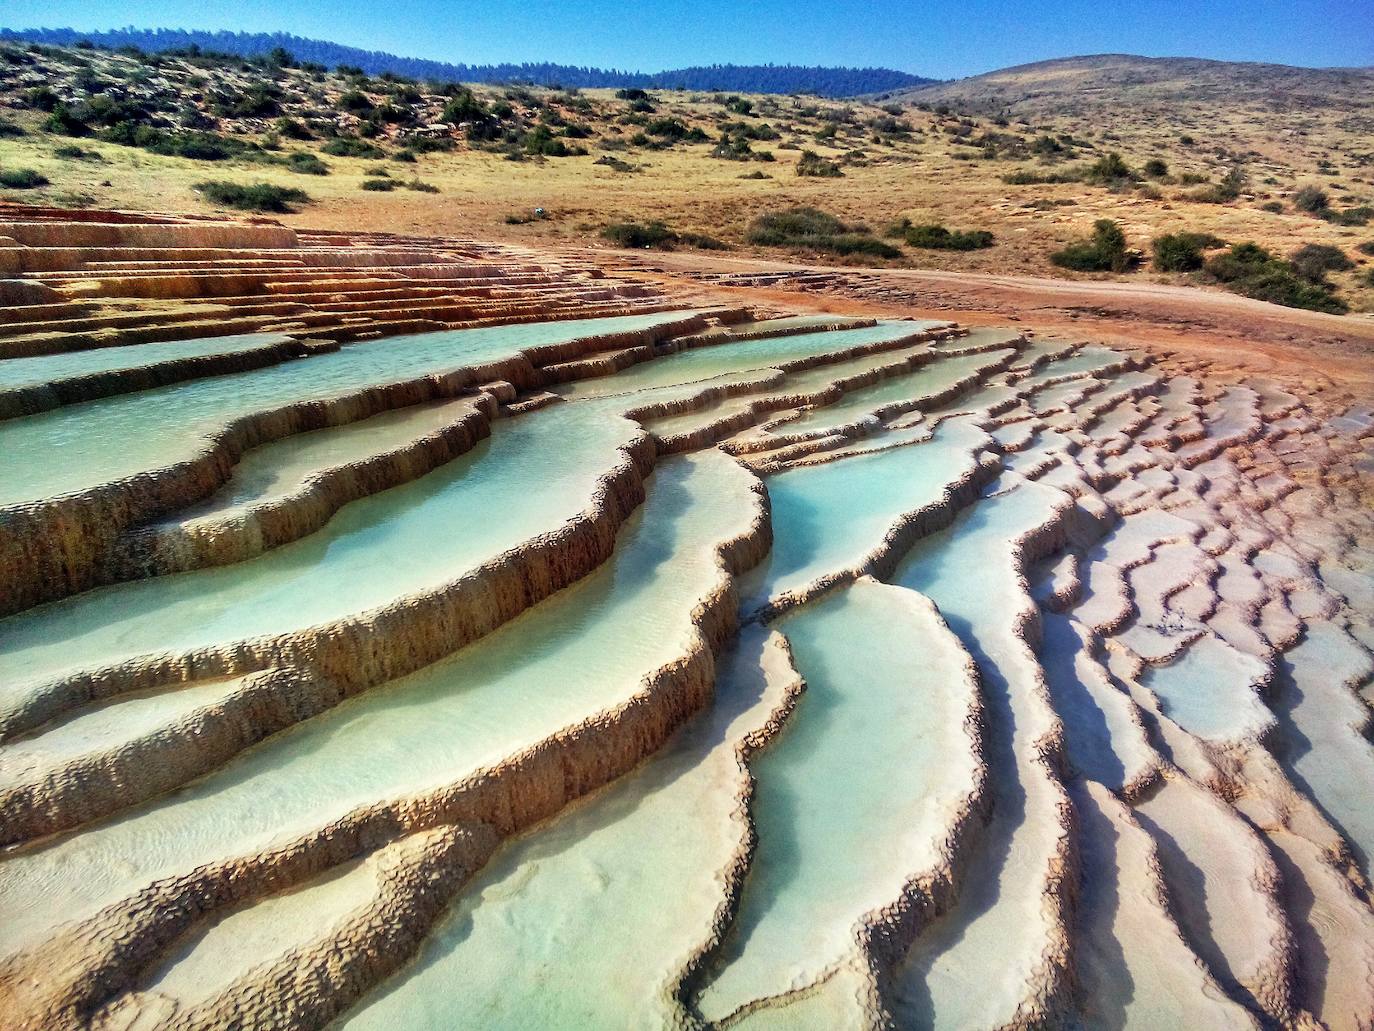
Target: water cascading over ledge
(663,668)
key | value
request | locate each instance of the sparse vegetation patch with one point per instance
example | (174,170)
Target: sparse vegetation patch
(352,147)
(1250,269)
(812,229)
(812,164)
(21,179)
(1103,251)
(1183,252)
(252,197)
(641,235)
(938,238)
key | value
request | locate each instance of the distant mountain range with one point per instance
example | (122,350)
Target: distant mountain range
(767,78)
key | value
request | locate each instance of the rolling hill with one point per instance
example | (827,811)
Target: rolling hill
(1074,85)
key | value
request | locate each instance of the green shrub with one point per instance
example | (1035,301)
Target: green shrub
(72,152)
(812,164)
(8,128)
(1182,252)
(1274,207)
(293,129)
(21,179)
(356,102)
(1314,260)
(738,148)
(1249,269)
(816,230)
(541,141)
(637,235)
(1354,217)
(195,146)
(1209,194)
(656,234)
(405,156)
(43,98)
(421,187)
(464,107)
(670,128)
(1027,177)
(1366,248)
(938,238)
(1156,168)
(1108,170)
(352,147)
(1311,199)
(259,100)
(430,144)
(379,185)
(614,163)
(306,164)
(252,197)
(65,122)
(1104,251)
(751,131)
(1230,187)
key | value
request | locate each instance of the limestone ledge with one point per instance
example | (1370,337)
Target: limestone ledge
(308,986)
(247,530)
(683,987)
(779,447)
(369,648)
(62,982)
(56,547)
(32,399)
(67,791)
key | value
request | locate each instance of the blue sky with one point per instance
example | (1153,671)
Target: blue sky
(942,39)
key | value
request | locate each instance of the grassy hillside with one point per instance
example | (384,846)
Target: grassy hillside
(1005,193)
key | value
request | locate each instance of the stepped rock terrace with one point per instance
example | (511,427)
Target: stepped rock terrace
(421,633)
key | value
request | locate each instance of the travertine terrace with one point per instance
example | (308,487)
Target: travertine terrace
(402,632)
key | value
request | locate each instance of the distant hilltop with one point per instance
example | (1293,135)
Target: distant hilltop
(766,78)
(1128,84)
